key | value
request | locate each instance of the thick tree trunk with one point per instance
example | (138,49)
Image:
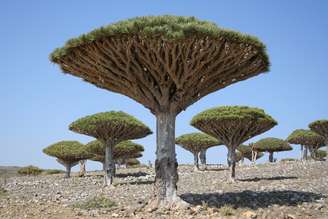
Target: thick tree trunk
(302,152)
(82,167)
(68,170)
(196,165)
(109,163)
(202,157)
(232,161)
(103,166)
(165,187)
(327,149)
(305,153)
(270,156)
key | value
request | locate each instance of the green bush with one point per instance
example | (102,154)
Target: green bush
(3,192)
(30,170)
(95,202)
(288,159)
(53,171)
(226,210)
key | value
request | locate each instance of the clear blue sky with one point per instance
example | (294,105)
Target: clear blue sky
(38,102)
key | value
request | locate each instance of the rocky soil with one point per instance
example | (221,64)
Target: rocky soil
(287,190)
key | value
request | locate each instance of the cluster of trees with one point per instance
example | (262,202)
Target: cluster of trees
(167,63)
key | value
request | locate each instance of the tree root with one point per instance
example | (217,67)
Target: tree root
(166,204)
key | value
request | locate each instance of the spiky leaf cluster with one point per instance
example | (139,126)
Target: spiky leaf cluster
(246,152)
(233,125)
(306,137)
(320,127)
(163,62)
(115,126)
(68,151)
(272,145)
(195,142)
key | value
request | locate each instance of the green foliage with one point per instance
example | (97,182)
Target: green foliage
(287,160)
(95,203)
(67,151)
(3,192)
(306,137)
(320,127)
(132,162)
(53,171)
(195,142)
(226,210)
(272,145)
(30,170)
(320,154)
(111,125)
(246,152)
(167,27)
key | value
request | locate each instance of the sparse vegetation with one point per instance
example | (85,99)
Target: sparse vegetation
(53,171)
(30,170)
(95,203)
(226,210)
(272,145)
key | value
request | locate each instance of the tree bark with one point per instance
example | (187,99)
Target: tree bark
(302,152)
(327,149)
(270,156)
(166,178)
(232,161)
(68,170)
(109,163)
(103,166)
(196,165)
(82,167)
(305,153)
(202,157)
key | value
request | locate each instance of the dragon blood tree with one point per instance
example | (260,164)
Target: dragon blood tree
(195,143)
(321,127)
(246,152)
(68,153)
(272,145)
(166,63)
(233,125)
(308,139)
(110,128)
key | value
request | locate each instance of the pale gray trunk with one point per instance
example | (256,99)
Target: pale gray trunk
(68,170)
(232,161)
(270,156)
(305,153)
(327,150)
(166,178)
(103,166)
(302,152)
(68,166)
(109,163)
(196,165)
(82,167)
(202,157)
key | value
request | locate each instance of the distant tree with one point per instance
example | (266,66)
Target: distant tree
(272,145)
(121,152)
(195,143)
(166,63)
(246,152)
(132,162)
(321,127)
(308,139)
(233,125)
(320,155)
(68,153)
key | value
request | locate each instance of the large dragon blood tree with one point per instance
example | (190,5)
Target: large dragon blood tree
(110,128)
(121,153)
(321,127)
(272,145)
(309,140)
(68,153)
(166,63)
(247,152)
(195,143)
(233,125)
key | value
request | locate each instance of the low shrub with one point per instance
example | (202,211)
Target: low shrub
(30,170)
(3,192)
(95,202)
(288,159)
(226,210)
(53,171)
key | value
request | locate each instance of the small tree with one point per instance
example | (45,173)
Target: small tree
(246,152)
(132,162)
(233,125)
(321,127)
(195,143)
(68,153)
(166,63)
(110,128)
(272,145)
(308,139)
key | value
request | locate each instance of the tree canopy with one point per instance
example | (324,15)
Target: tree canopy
(320,127)
(68,151)
(111,125)
(163,62)
(233,124)
(306,137)
(195,142)
(246,152)
(272,145)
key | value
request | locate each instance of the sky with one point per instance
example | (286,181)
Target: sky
(38,102)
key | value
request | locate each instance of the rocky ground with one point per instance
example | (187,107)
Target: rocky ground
(287,190)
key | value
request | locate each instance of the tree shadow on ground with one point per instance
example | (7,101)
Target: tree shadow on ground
(255,179)
(215,169)
(251,199)
(136,182)
(136,174)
